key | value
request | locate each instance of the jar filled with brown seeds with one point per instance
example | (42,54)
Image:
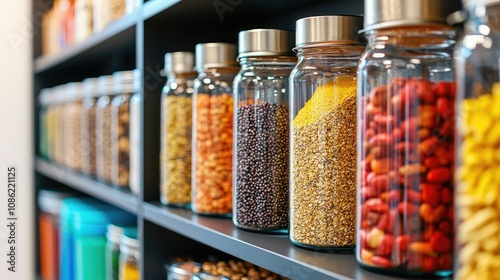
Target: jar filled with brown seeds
(72,135)
(87,119)
(103,129)
(176,127)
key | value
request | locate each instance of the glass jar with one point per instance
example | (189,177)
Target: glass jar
(406,134)
(83,20)
(59,116)
(103,129)
(113,235)
(126,84)
(260,143)
(323,133)
(129,258)
(135,133)
(213,129)
(73,111)
(176,128)
(182,270)
(88,123)
(51,123)
(44,104)
(477,194)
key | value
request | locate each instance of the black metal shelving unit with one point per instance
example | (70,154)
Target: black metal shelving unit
(139,41)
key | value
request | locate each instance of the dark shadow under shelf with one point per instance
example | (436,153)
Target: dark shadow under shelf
(274,252)
(118,198)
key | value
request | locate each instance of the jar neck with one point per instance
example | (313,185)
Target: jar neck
(483,19)
(180,77)
(412,37)
(268,61)
(330,51)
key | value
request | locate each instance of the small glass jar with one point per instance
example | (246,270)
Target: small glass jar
(126,84)
(130,257)
(182,270)
(72,130)
(406,139)
(113,235)
(176,128)
(260,143)
(88,122)
(44,101)
(103,129)
(477,209)
(213,129)
(323,133)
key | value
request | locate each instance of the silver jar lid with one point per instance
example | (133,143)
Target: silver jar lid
(265,42)
(114,233)
(390,13)
(105,85)
(328,29)
(213,55)
(90,87)
(179,62)
(126,81)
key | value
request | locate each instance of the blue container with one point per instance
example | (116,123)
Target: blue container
(83,237)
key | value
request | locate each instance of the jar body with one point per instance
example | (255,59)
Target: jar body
(72,134)
(323,150)
(175,150)
(59,143)
(120,140)
(260,144)
(406,138)
(51,133)
(103,138)
(88,136)
(135,147)
(112,260)
(129,264)
(43,132)
(477,194)
(212,142)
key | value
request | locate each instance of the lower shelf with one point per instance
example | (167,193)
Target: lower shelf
(118,198)
(273,252)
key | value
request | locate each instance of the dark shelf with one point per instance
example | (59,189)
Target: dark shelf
(154,7)
(121,199)
(274,252)
(118,35)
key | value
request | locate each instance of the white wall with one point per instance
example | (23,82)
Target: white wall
(16,135)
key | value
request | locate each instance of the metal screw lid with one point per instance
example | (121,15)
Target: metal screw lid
(105,85)
(126,81)
(265,42)
(114,233)
(90,87)
(391,13)
(214,55)
(179,62)
(338,29)
(74,91)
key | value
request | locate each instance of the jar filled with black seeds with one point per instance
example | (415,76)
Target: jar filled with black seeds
(260,160)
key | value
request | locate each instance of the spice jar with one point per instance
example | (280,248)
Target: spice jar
(323,133)
(126,84)
(182,270)
(477,193)
(176,128)
(103,129)
(44,101)
(260,167)
(88,126)
(72,129)
(113,236)
(406,133)
(129,256)
(213,129)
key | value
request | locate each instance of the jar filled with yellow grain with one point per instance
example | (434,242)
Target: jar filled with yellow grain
(260,165)
(126,84)
(130,256)
(323,133)
(176,128)
(213,129)
(406,138)
(478,151)
(103,128)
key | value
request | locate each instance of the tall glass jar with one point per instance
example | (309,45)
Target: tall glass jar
(135,133)
(260,142)
(88,122)
(477,195)
(73,111)
(126,84)
(406,138)
(59,116)
(176,128)
(213,129)
(44,104)
(323,133)
(113,235)
(130,257)
(103,129)
(51,123)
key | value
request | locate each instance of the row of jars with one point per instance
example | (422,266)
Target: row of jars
(86,126)
(351,145)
